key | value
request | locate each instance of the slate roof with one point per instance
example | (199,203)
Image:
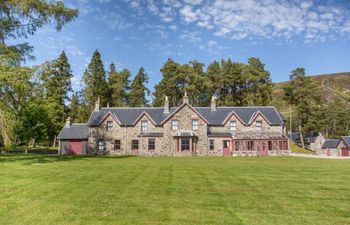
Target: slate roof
(330,143)
(127,116)
(346,139)
(78,131)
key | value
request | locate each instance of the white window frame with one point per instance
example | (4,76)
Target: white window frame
(194,124)
(144,125)
(174,125)
(258,127)
(101,144)
(109,125)
(233,125)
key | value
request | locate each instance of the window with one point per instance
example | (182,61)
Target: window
(194,124)
(109,125)
(174,125)
(116,144)
(185,144)
(233,125)
(101,145)
(258,125)
(250,145)
(151,144)
(144,125)
(135,144)
(211,144)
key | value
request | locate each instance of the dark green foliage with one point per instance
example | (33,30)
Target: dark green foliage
(232,83)
(138,90)
(74,107)
(32,124)
(118,83)
(22,18)
(95,82)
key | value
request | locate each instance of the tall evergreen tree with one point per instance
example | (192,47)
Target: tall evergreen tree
(74,107)
(19,19)
(300,93)
(118,83)
(138,90)
(57,79)
(94,79)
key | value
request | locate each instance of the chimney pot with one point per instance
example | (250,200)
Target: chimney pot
(166,104)
(213,103)
(97,105)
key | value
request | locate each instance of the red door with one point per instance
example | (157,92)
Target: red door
(75,147)
(344,152)
(262,149)
(226,148)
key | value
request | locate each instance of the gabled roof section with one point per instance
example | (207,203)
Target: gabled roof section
(181,107)
(128,116)
(330,143)
(346,140)
(109,114)
(230,115)
(77,131)
(144,113)
(255,115)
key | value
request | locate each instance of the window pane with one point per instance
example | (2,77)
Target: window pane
(151,144)
(185,144)
(233,125)
(109,125)
(194,124)
(101,145)
(174,125)
(135,144)
(116,144)
(211,144)
(144,125)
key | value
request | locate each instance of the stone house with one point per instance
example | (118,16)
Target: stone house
(316,142)
(178,131)
(329,148)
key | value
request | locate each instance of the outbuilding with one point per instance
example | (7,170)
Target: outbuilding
(329,148)
(73,139)
(344,146)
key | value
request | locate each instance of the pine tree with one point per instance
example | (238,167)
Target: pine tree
(94,79)
(74,107)
(118,83)
(57,79)
(138,90)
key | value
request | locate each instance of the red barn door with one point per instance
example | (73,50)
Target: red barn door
(75,147)
(226,148)
(344,152)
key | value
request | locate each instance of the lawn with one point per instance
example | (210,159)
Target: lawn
(133,190)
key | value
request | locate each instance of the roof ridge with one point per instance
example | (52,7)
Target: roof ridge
(236,107)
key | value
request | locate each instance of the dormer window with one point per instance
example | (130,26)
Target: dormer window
(233,126)
(258,125)
(194,124)
(109,125)
(144,125)
(174,125)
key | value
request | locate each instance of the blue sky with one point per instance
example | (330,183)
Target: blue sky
(284,34)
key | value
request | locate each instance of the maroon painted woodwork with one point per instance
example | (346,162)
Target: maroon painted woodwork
(75,147)
(344,152)
(226,148)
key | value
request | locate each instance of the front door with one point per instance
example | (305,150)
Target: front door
(344,152)
(226,148)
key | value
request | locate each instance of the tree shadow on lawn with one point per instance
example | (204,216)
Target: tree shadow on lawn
(29,159)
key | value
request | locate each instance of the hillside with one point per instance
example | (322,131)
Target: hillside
(331,87)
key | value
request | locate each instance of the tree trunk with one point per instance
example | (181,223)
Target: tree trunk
(301,137)
(54,141)
(26,150)
(34,143)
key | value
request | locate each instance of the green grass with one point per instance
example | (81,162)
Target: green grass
(297,149)
(134,190)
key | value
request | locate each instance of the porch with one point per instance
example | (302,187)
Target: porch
(185,143)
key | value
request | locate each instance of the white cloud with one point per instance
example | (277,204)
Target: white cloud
(191,37)
(239,19)
(114,21)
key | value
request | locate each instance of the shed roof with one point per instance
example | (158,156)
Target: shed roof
(346,140)
(330,143)
(78,131)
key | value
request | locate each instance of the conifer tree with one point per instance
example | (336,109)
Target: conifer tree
(94,79)
(118,83)
(138,90)
(74,107)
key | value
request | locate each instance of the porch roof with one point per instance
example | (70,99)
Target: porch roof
(185,133)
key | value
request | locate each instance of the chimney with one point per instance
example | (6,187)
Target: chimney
(185,98)
(107,104)
(68,123)
(166,104)
(213,103)
(97,105)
